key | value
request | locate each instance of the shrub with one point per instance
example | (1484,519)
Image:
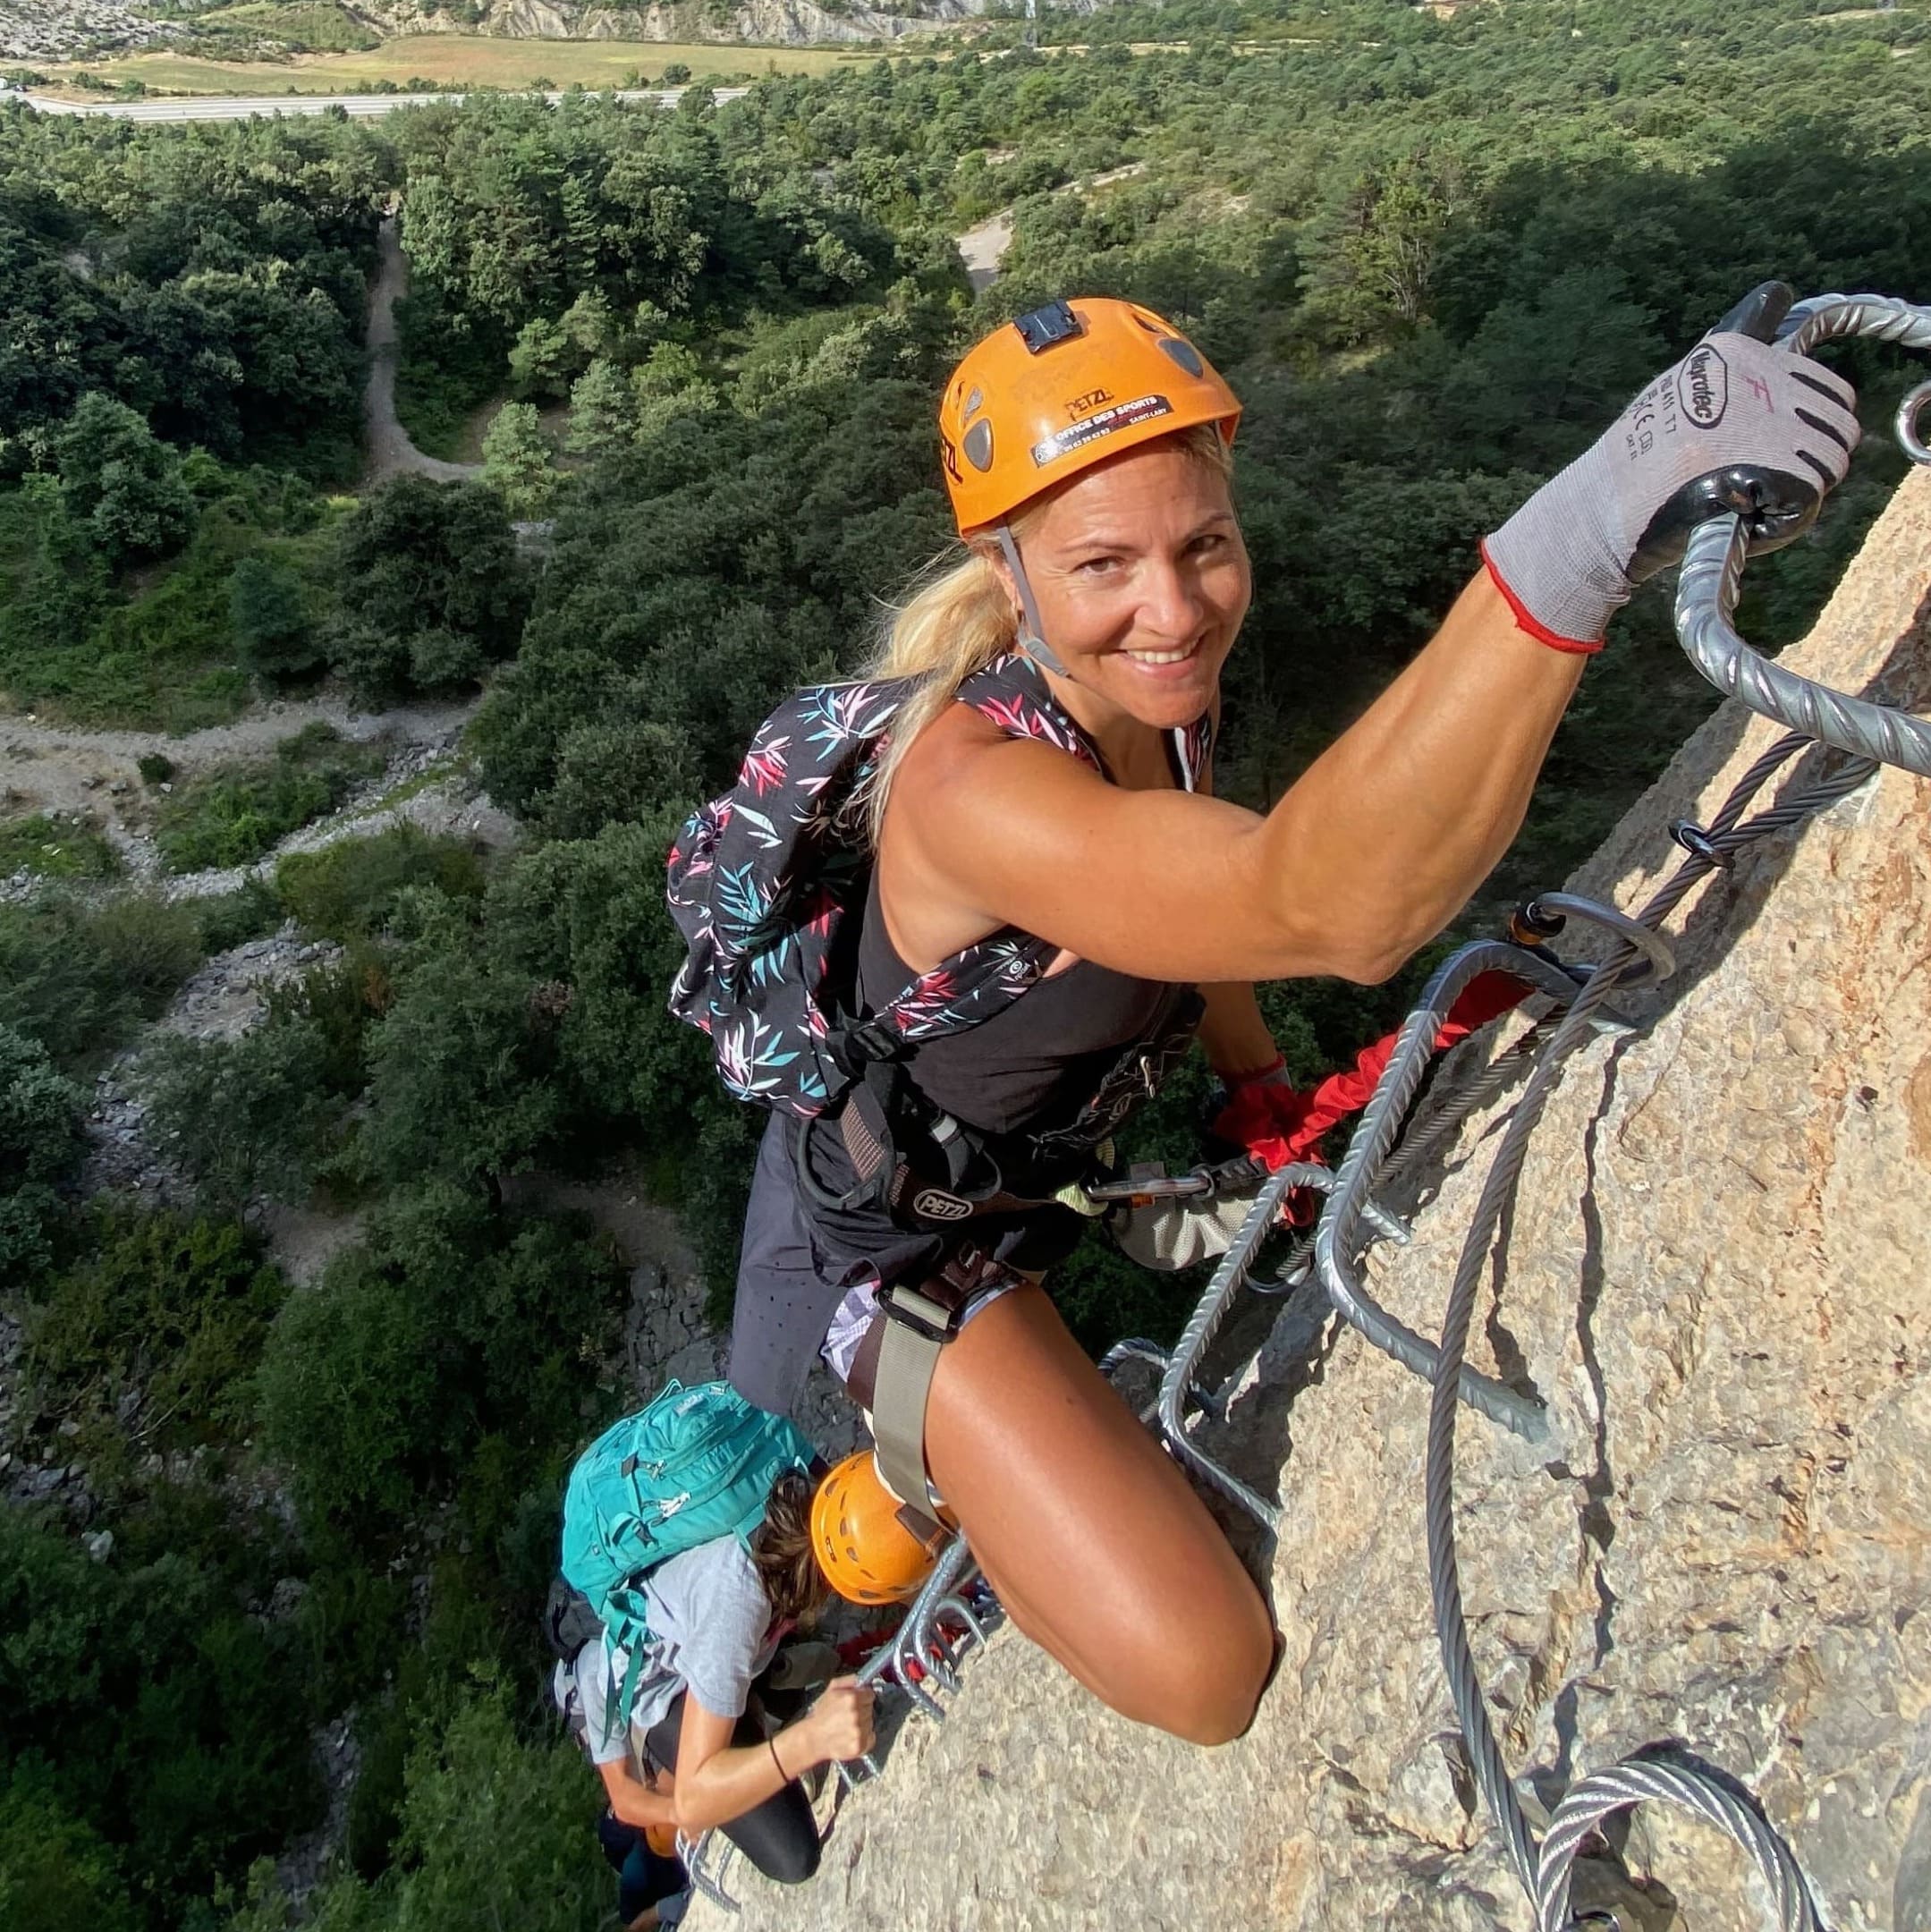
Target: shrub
(40,1146)
(494,1829)
(55,1872)
(78,979)
(350,1399)
(440,660)
(518,459)
(243,1117)
(152,1340)
(153,769)
(348,889)
(416,556)
(450,1324)
(53,847)
(227,919)
(463,1067)
(237,813)
(335,1003)
(121,480)
(206,1764)
(274,631)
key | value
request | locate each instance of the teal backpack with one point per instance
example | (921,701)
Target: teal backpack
(694,1465)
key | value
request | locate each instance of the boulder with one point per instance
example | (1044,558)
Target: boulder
(1717,1275)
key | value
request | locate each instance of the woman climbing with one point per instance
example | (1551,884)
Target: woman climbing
(695,1540)
(1040,819)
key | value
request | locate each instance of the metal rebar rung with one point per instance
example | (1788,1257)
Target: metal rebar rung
(1713,565)
(1706,596)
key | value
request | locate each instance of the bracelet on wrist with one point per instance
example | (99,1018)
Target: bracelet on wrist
(771,1745)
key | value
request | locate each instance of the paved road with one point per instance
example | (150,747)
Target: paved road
(363,106)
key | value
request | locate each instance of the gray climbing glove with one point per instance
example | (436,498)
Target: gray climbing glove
(1164,1236)
(1737,425)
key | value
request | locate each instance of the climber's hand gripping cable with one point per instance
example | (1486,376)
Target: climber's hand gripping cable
(1737,425)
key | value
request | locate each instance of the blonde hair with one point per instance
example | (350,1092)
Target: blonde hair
(955,618)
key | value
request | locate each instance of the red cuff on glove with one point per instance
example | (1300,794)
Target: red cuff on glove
(1526,621)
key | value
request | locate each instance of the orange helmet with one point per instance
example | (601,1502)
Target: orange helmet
(1062,389)
(867,1553)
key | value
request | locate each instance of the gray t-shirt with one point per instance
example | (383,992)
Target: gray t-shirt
(711,1634)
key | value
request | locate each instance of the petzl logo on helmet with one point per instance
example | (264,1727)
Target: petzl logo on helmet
(1704,387)
(937,1207)
(1121,416)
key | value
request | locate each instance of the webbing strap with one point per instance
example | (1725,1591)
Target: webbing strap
(907,1363)
(917,1322)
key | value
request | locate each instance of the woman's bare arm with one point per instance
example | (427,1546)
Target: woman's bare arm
(718,1781)
(1365,859)
(1233,1033)
(634,1801)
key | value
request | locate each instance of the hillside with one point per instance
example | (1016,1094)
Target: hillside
(767,22)
(1719,1275)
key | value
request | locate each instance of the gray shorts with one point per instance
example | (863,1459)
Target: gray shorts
(794,1307)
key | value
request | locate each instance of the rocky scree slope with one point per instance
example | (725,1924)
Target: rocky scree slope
(1718,1276)
(770,23)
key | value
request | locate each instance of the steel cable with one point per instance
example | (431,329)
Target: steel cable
(1545,1875)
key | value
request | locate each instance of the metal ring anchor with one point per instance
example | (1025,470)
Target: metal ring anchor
(1910,439)
(1654,947)
(1697,842)
(1706,595)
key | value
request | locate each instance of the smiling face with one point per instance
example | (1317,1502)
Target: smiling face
(1141,580)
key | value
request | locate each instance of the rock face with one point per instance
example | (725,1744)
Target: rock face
(759,22)
(1718,1276)
(58,29)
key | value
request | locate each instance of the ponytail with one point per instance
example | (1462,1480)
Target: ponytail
(954,619)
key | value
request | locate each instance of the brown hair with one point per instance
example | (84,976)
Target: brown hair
(782,1552)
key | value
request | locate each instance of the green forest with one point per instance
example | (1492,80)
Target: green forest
(1433,256)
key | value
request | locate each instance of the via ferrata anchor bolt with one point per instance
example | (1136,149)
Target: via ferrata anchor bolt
(1699,843)
(1910,414)
(1531,927)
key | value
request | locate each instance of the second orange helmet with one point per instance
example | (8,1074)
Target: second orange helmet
(1062,389)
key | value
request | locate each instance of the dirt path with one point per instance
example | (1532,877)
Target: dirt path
(25,737)
(983,247)
(55,768)
(390,451)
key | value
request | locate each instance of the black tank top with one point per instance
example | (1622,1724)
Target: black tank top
(1036,1063)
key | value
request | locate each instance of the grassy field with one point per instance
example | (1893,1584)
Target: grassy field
(461,60)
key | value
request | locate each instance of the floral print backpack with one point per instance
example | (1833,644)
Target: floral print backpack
(767,884)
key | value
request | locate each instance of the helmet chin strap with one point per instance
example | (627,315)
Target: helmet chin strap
(1031,641)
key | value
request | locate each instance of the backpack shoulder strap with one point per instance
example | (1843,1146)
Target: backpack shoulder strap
(1012,694)
(979,981)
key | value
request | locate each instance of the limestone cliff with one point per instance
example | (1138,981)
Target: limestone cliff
(1717,1277)
(767,22)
